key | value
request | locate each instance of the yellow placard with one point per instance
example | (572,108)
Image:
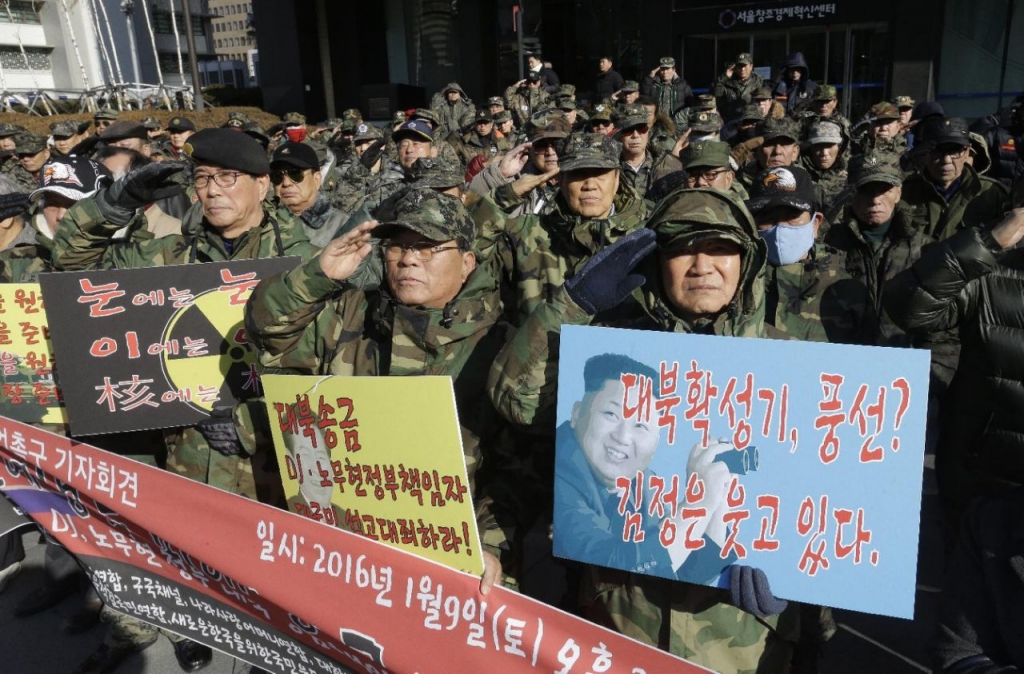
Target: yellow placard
(28,390)
(381,456)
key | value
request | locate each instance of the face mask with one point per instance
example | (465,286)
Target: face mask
(788,244)
(296,134)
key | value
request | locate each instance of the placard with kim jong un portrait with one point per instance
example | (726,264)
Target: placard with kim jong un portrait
(680,455)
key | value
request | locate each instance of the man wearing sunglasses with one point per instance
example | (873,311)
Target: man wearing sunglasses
(32,153)
(637,164)
(295,175)
(948,195)
(436,314)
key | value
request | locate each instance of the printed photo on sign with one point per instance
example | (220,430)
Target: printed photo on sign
(678,456)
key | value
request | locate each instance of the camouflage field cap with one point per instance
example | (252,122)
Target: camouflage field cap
(106,113)
(331,123)
(65,129)
(751,113)
(630,115)
(566,90)
(294,118)
(688,216)
(496,100)
(256,132)
(427,114)
(399,117)
(744,59)
(761,94)
(565,103)
(667,62)
(555,127)
(704,121)
(29,143)
(706,154)
(7,130)
(152,123)
(884,112)
(875,167)
(438,217)
(825,92)
(502,117)
(590,150)
(630,87)
(705,102)
(771,128)
(366,131)
(352,113)
(602,112)
(240,116)
(436,172)
(902,102)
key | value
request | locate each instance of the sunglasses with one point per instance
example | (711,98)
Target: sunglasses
(296,175)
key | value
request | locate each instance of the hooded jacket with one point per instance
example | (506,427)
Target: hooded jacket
(798,93)
(453,116)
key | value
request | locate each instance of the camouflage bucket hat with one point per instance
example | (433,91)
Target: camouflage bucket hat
(435,172)
(29,143)
(64,129)
(437,216)
(706,154)
(590,150)
(875,167)
(704,121)
(825,92)
(367,132)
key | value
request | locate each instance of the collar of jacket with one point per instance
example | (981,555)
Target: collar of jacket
(194,226)
(900,229)
(316,215)
(475,309)
(593,234)
(970,185)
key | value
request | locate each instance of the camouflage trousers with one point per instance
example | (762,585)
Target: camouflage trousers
(692,621)
(188,455)
(125,631)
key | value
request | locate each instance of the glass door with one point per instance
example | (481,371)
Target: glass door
(867,71)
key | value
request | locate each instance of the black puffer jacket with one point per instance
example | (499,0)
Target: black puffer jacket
(970,283)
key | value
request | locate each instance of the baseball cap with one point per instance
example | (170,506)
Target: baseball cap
(435,172)
(717,215)
(294,118)
(555,127)
(926,109)
(496,100)
(65,129)
(228,149)
(483,116)
(761,94)
(750,113)
(825,92)
(503,117)
(181,124)
(825,132)
(366,131)
(705,102)
(533,76)
(902,102)
(294,154)
(416,129)
(771,128)
(437,216)
(428,115)
(631,115)
(706,154)
(630,87)
(875,167)
(602,112)
(73,177)
(947,131)
(7,130)
(106,113)
(667,62)
(783,186)
(705,122)
(565,103)
(744,59)
(590,150)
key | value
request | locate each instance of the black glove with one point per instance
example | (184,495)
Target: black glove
(372,154)
(604,280)
(219,432)
(751,592)
(142,186)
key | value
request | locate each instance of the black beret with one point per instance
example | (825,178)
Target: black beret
(123,130)
(228,149)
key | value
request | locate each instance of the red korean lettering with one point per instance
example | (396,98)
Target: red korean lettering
(861,537)
(769,523)
(239,286)
(813,557)
(641,411)
(99,296)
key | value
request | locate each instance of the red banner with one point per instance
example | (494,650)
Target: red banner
(280,591)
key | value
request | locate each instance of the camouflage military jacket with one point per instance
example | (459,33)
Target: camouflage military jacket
(23,262)
(13,169)
(470,145)
(83,242)
(303,323)
(816,300)
(454,116)
(978,201)
(732,95)
(639,178)
(534,254)
(523,102)
(830,182)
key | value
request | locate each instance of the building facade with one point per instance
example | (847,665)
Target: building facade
(234,38)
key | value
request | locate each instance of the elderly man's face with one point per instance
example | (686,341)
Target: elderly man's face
(701,280)
(875,202)
(946,163)
(590,192)
(634,140)
(743,71)
(717,177)
(825,108)
(453,96)
(666,74)
(495,109)
(823,155)
(102,124)
(33,161)
(297,195)
(544,154)
(778,152)
(432,282)
(236,204)
(178,138)
(484,128)
(411,149)
(613,445)
(763,105)
(632,96)
(363,145)
(905,114)
(885,128)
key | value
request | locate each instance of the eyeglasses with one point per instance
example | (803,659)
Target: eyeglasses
(951,151)
(296,175)
(423,251)
(638,130)
(706,176)
(223,179)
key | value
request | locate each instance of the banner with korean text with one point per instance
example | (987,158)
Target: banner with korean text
(281,591)
(153,348)
(349,459)
(28,391)
(680,455)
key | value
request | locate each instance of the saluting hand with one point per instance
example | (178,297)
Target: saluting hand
(342,256)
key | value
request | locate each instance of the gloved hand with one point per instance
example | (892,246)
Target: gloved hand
(144,185)
(372,154)
(604,280)
(220,433)
(750,592)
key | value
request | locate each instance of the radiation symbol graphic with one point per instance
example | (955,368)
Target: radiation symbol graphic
(224,371)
